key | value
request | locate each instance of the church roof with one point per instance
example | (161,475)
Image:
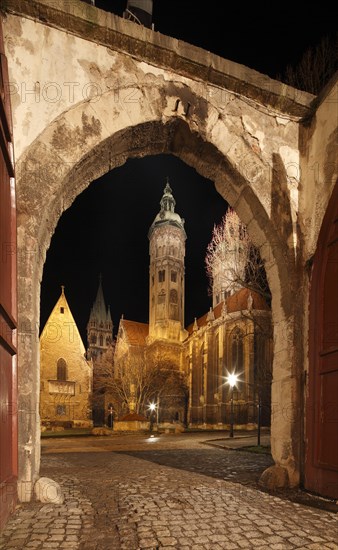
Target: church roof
(236,302)
(167,214)
(61,327)
(136,333)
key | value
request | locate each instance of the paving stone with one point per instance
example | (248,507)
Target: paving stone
(37,536)
(297,541)
(112,502)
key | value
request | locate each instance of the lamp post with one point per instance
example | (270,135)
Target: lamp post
(232,380)
(152,408)
(259,407)
(110,415)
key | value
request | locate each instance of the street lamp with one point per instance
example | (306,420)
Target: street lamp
(110,415)
(232,380)
(152,408)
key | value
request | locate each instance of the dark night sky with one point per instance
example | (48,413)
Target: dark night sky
(105,230)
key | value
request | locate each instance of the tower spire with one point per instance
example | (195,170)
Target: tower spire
(100,326)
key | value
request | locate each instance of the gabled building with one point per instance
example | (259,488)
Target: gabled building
(66,377)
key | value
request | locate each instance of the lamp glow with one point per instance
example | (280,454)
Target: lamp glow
(232,379)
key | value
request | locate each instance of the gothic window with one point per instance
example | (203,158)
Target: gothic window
(173,304)
(237,352)
(61,370)
(101,340)
(160,309)
(93,338)
(201,370)
(107,341)
(173,276)
(161,276)
(173,296)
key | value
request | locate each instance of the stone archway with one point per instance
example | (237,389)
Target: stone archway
(77,148)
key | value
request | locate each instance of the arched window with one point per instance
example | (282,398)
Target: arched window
(61,370)
(173,276)
(101,340)
(173,313)
(93,338)
(237,352)
(160,309)
(173,296)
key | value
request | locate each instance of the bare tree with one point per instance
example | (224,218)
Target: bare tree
(171,388)
(233,262)
(136,379)
(315,68)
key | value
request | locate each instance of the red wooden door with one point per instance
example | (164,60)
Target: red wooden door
(321,467)
(8,368)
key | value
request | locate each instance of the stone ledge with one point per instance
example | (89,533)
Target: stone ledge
(152,47)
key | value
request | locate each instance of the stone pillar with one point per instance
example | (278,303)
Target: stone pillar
(28,367)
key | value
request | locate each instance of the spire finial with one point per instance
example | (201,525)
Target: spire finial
(63,289)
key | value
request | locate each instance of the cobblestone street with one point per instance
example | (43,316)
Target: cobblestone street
(134,493)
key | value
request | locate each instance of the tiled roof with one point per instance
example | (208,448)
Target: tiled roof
(236,302)
(136,333)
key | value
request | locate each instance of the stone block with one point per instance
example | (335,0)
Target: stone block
(275,477)
(48,490)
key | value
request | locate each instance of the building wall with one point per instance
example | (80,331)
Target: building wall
(223,346)
(66,375)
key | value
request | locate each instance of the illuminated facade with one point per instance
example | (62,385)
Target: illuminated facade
(66,376)
(234,336)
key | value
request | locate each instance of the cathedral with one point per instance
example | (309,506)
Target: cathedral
(183,370)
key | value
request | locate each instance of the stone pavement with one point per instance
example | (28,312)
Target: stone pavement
(134,499)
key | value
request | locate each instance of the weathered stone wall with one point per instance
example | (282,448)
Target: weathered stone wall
(90,90)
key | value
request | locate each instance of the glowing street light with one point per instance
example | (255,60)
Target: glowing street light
(232,380)
(152,408)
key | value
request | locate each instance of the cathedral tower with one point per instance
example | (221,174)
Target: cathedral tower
(166,281)
(100,327)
